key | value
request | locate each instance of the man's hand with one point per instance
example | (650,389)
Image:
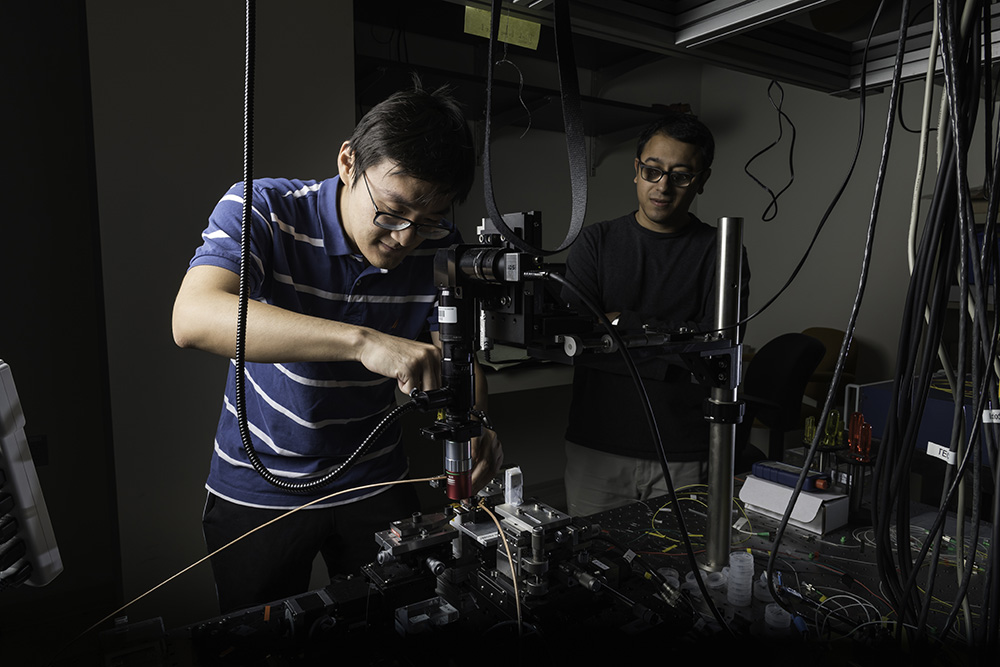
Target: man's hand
(205,318)
(414,365)
(487,459)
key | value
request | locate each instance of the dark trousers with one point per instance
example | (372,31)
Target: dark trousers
(276,562)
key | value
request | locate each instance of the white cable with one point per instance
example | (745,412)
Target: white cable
(856,602)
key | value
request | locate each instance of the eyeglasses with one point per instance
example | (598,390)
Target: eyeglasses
(681,179)
(397,223)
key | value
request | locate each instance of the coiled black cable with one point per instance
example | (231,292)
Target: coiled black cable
(771,212)
(241,318)
(241,322)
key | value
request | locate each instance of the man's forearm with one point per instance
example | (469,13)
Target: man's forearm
(272,334)
(205,314)
(205,319)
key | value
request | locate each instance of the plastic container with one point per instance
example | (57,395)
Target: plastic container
(776,620)
(761,591)
(741,567)
(671,576)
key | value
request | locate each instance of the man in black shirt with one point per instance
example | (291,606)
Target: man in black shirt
(653,266)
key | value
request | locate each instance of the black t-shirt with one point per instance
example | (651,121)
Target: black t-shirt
(648,277)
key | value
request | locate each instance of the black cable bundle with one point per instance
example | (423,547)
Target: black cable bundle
(949,254)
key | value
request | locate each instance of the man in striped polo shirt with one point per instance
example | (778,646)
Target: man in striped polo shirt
(340,280)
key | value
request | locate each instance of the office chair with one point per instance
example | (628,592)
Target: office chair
(819,383)
(772,391)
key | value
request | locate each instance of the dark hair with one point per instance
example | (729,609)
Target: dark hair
(683,127)
(424,134)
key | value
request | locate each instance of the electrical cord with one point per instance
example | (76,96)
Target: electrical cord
(934,543)
(791,154)
(839,193)
(849,332)
(889,482)
(241,324)
(971,52)
(946,250)
(977,313)
(241,321)
(919,287)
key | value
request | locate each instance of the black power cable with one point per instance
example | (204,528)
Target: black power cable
(967,241)
(654,431)
(948,246)
(849,333)
(911,385)
(840,191)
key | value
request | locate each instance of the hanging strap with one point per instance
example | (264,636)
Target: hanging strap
(572,122)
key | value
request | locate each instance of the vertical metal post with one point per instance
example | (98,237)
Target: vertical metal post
(722,435)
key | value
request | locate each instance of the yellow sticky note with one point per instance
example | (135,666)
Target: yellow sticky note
(518,32)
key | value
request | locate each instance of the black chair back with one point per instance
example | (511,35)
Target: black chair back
(773,387)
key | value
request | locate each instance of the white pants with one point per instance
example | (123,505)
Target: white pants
(597,481)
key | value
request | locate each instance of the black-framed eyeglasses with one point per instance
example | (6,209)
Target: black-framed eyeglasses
(681,179)
(397,223)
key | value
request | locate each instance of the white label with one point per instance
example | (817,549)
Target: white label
(991,416)
(447,315)
(512,268)
(939,452)
(629,556)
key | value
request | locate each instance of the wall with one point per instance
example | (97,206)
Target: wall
(826,135)
(168,122)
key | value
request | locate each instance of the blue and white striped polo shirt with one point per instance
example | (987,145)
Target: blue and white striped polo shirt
(306,418)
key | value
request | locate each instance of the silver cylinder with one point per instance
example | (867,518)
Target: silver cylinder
(722,436)
(458,456)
